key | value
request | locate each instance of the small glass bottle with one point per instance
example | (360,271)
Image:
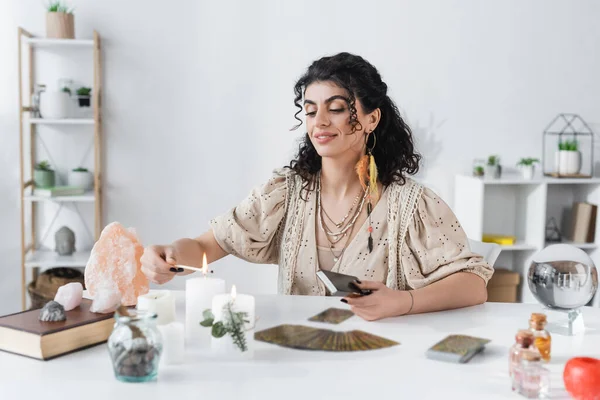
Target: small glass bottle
(523,341)
(543,340)
(530,378)
(135,346)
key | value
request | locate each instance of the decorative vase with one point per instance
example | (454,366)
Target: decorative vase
(135,346)
(60,25)
(527,171)
(567,162)
(43,178)
(81,179)
(55,105)
(492,171)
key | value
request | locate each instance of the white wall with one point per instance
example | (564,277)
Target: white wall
(198,96)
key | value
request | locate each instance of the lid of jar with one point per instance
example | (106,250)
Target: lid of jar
(524,337)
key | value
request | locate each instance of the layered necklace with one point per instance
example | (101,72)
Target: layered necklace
(344,228)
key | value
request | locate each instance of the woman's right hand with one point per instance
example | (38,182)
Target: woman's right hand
(158,261)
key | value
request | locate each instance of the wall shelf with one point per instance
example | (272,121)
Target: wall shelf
(49,259)
(45,42)
(67,121)
(87,197)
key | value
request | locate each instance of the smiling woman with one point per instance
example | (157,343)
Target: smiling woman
(346,204)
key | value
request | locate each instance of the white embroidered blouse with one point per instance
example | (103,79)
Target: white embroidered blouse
(417,238)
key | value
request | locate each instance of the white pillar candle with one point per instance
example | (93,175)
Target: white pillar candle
(160,302)
(173,343)
(199,293)
(225,346)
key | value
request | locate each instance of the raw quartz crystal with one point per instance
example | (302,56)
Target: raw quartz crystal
(113,274)
(69,295)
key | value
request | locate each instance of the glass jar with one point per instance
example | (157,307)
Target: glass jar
(135,346)
(530,378)
(543,340)
(523,341)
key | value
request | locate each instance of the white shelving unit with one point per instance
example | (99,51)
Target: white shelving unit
(513,206)
(36,258)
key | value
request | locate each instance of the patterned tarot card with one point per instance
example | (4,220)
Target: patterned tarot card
(309,338)
(332,316)
(457,348)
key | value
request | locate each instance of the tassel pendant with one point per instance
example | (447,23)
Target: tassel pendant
(370,244)
(369,208)
(373,177)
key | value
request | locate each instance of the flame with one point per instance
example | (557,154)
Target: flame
(204,265)
(233,292)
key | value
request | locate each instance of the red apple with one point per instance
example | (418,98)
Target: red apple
(582,378)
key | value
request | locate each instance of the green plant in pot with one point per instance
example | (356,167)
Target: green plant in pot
(567,160)
(43,175)
(493,169)
(527,166)
(60,21)
(80,177)
(84,96)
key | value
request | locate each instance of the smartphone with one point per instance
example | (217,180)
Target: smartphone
(340,284)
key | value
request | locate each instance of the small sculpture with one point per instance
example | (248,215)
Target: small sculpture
(64,239)
(52,312)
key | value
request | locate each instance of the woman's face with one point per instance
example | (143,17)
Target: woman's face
(328,121)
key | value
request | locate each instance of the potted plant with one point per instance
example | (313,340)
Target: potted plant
(43,175)
(83,96)
(80,177)
(527,166)
(567,159)
(493,168)
(60,22)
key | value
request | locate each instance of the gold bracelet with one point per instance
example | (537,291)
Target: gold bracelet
(412,303)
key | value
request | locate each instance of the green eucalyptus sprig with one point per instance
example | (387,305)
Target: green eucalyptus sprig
(233,324)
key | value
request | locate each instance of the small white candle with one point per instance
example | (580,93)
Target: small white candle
(173,343)
(240,303)
(199,293)
(160,302)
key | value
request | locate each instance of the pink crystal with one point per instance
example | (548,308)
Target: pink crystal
(106,301)
(114,267)
(69,295)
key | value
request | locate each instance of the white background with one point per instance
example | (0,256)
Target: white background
(198,97)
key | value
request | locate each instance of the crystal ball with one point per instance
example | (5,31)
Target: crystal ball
(562,277)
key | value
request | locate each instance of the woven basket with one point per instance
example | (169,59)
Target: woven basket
(45,287)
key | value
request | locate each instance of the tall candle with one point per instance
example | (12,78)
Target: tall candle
(173,343)
(239,303)
(160,302)
(199,293)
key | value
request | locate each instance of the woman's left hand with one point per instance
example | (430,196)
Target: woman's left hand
(383,302)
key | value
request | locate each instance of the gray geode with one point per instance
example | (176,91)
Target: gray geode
(64,238)
(53,312)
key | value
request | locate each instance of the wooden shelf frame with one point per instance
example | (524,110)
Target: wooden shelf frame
(27,43)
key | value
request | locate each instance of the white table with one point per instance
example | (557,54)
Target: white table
(400,372)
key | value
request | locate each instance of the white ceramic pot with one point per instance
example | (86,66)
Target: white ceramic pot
(492,171)
(527,171)
(82,179)
(568,162)
(55,105)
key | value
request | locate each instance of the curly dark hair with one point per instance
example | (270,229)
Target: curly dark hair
(394,152)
